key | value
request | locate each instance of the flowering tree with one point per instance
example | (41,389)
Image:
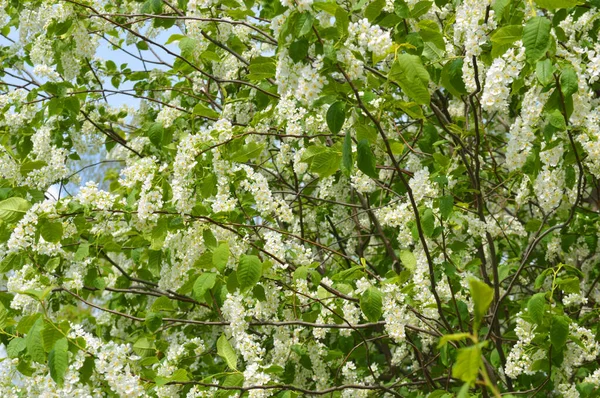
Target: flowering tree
(303,198)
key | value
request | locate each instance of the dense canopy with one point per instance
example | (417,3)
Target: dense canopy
(255,198)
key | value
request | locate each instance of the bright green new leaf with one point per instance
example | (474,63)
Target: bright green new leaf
(51,231)
(13,209)
(16,346)
(412,77)
(453,337)
(569,82)
(428,222)
(536,307)
(325,163)
(468,361)
(34,343)
(220,256)
(249,271)
(58,361)
(482,296)
(446,206)
(3,316)
(536,38)
(408,259)
(452,77)
(155,133)
(203,284)
(544,71)
(225,351)
(555,4)
(371,303)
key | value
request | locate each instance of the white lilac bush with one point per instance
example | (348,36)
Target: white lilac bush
(351,198)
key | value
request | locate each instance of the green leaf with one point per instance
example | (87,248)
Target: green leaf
(225,351)
(428,222)
(507,34)
(3,316)
(262,68)
(452,78)
(143,347)
(446,206)
(13,209)
(28,167)
(33,341)
(51,231)
(203,284)
(50,335)
(173,38)
(153,321)
(408,259)
(504,37)
(452,337)
(554,4)
(336,115)
(468,360)
(82,252)
(365,160)
(482,296)
(152,7)
(163,303)
(371,303)
(412,77)
(249,271)
(374,9)
(58,361)
(569,83)
(536,38)
(204,111)
(15,346)
(304,24)
(430,32)
(188,47)
(220,256)
(72,104)
(536,307)
(420,8)
(544,71)
(347,161)
(299,49)
(569,285)
(341,21)
(155,133)
(559,331)
(325,163)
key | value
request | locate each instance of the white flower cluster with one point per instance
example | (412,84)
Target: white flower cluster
(499,76)
(362,37)
(394,313)
(572,299)
(301,82)
(183,167)
(362,182)
(421,186)
(257,184)
(549,188)
(522,132)
(185,246)
(112,362)
(470,32)
(519,360)
(169,113)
